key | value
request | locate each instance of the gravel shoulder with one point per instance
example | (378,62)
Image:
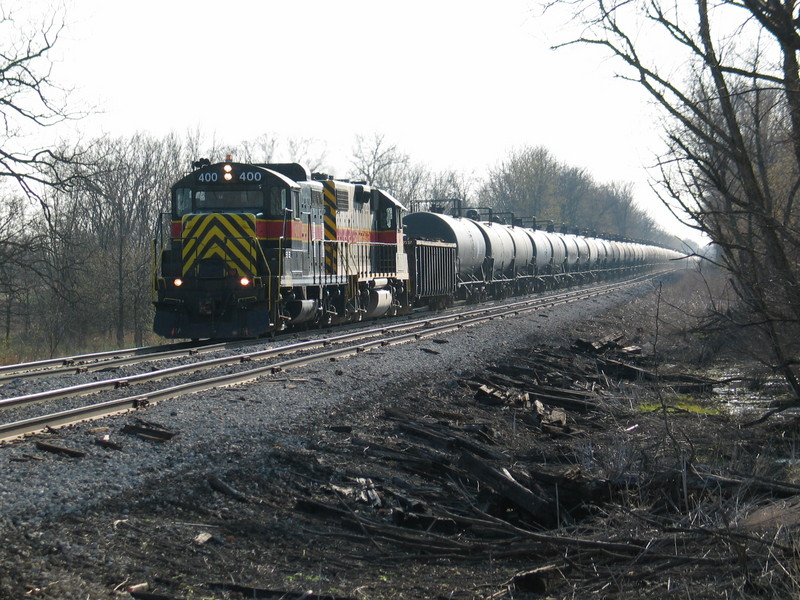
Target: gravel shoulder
(309,481)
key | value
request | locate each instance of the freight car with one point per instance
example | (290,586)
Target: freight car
(250,249)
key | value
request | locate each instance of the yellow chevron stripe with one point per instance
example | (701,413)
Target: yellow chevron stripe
(329,222)
(197,245)
(216,236)
(234,224)
(329,217)
(230,237)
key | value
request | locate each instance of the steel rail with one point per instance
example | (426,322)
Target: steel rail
(81,363)
(428,322)
(18,429)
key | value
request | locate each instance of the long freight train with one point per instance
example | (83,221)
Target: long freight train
(250,249)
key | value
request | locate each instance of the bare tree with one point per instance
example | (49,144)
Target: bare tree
(732,167)
(531,182)
(63,264)
(94,244)
(524,183)
(122,198)
(19,243)
(307,151)
(30,100)
(30,104)
(258,150)
(438,190)
(377,161)
(573,188)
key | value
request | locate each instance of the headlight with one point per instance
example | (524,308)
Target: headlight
(177,282)
(244,281)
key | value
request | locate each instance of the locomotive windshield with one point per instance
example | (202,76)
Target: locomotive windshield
(227,200)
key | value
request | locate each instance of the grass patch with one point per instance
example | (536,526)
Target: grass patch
(681,403)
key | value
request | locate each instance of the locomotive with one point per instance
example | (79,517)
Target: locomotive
(251,249)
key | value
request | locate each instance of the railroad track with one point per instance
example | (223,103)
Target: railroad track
(111,359)
(98,361)
(248,367)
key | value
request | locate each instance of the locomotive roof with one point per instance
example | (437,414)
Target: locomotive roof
(391,199)
(294,171)
(192,178)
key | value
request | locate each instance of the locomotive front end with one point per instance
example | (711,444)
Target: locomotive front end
(213,276)
(215,286)
(252,249)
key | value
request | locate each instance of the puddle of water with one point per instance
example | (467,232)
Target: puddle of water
(744,393)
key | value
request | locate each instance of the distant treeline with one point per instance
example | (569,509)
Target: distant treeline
(76,262)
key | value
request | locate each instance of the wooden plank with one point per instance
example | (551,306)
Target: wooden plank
(149,433)
(624,370)
(503,483)
(47,447)
(105,442)
(564,402)
(220,486)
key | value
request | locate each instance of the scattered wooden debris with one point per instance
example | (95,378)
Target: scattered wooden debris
(341,428)
(25,457)
(503,483)
(623,370)
(48,447)
(631,350)
(220,486)
(268,594)
(202,538)
(153,434)
(609,342)
(535,580)
(105,442)
(458,489)
(151,596)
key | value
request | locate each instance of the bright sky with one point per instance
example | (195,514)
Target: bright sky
(456,84)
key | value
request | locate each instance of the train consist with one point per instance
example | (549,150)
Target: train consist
(251,249)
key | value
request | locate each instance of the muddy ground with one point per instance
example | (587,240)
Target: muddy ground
(553,472)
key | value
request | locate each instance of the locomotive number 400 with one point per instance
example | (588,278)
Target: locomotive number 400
(244,176)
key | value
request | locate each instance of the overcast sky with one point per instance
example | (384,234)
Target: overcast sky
(455,84)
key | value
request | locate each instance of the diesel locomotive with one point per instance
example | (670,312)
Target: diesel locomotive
(251,249)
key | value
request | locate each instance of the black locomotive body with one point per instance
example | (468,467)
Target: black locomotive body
(249,249)
(252,248)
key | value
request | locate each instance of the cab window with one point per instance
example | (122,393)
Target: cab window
(183,201)
(276,202)
(228,201)
(387,218)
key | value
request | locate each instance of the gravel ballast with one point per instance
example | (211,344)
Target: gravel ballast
(233,429)
(249,416)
